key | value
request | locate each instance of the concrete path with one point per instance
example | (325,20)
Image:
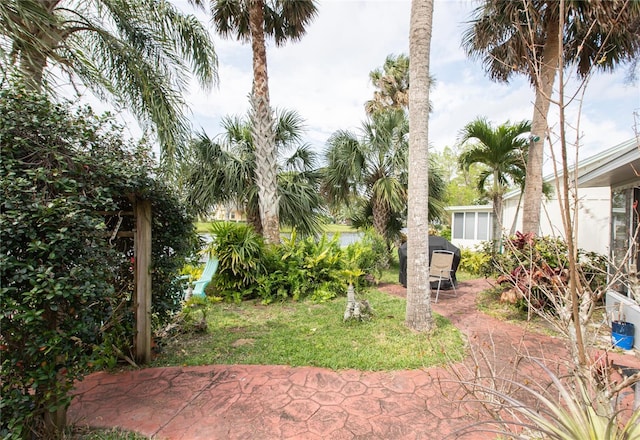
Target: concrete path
(280,402)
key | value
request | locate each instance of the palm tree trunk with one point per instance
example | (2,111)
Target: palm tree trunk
(32,64)
(381,214)
(253,219)
(544,81)
(497,221)
(497,212)
(263,130)
(418,313)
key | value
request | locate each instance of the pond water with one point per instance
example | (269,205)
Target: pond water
(346,238)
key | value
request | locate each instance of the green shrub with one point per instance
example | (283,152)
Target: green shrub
(296,269)
(67,279)
(370,254)
(241,254)
(304,268)
(474,262)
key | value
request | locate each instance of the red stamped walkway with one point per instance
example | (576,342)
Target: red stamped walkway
(279,402)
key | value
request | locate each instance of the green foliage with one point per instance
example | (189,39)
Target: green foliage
(305,268)
(242,255)
(370,254)
(103,434)
(298,268)
(474,262)
(66,278)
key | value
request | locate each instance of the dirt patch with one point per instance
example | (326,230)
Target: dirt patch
(242,342)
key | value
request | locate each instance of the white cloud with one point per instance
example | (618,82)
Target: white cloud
(325,77)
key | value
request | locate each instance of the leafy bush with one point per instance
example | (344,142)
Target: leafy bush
(536,269)
(298,268)
(475,262)
(66,278)
(311,268)
(242,255)
(370,254)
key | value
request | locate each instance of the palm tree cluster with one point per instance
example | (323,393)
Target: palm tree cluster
(370,171)
(224,172)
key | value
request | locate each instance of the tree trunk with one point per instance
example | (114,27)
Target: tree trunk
(253,219)
(262,129)
(381,213)
(418,314)
(544,80)
(497,221)
(497,213)
(45,35)
(32,64)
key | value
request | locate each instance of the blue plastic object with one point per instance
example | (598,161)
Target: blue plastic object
(622,334)
(209,271)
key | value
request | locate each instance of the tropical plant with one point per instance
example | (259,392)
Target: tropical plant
(534,269)
(282,20)
(503,152)
(564,407)
(521,37)
(241,254)
(418,313)
(370,171)
(225,172)
(67,276)
(294,270)
(135,53)
(392,84)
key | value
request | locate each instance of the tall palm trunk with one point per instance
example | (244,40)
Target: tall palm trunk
(381,213)
(32,64)
(263,131)
(418,314)
(44,36)
(497,213)
(544,81)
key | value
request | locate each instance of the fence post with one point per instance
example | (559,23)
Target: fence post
(142,304)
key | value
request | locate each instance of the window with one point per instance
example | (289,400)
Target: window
(472,226)
(624,225)
(458,221)
(483,226)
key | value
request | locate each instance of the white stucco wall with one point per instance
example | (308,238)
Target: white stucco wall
(594,214)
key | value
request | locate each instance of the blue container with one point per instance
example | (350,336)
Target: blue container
(622,334)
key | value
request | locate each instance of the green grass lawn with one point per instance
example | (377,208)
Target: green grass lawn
(306,333)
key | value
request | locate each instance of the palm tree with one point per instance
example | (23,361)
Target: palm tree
(418,314)
(522,37)
(503,152)
(135,53)
(252,20)
(225,173)
(392,82)
(371,170)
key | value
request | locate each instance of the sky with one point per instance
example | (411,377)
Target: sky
(325,78)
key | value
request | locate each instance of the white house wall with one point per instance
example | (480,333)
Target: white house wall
(594,214)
